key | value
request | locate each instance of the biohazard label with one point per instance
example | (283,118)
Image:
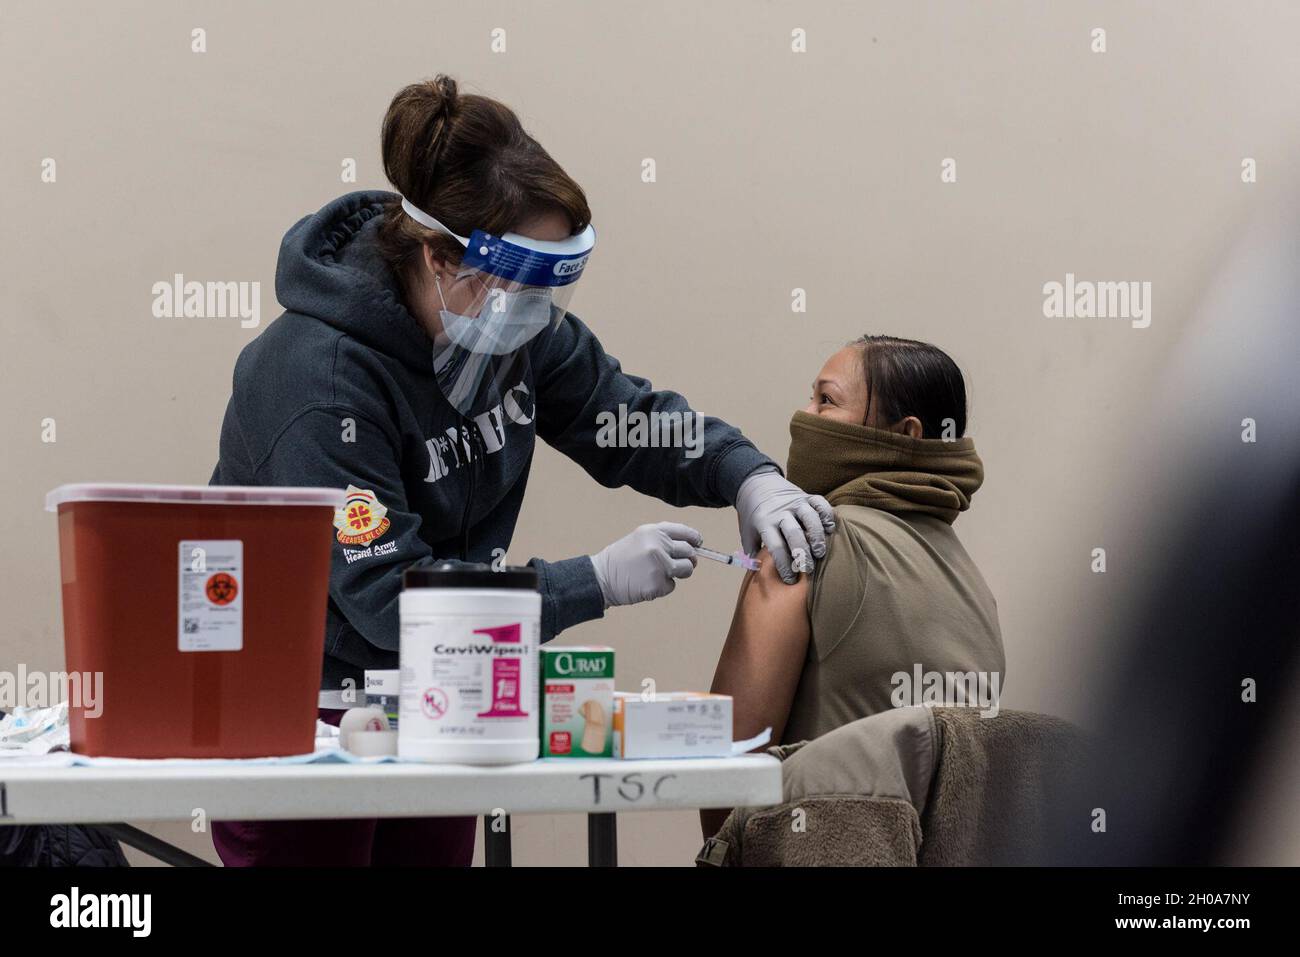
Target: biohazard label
(210,596)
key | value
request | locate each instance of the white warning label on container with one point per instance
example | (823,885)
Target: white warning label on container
(210,596)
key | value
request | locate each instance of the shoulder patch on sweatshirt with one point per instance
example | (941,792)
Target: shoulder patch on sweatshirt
(362,518)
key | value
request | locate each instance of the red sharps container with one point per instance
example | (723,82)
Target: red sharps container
(199,611)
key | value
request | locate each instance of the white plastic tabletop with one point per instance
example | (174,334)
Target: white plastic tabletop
(85,795)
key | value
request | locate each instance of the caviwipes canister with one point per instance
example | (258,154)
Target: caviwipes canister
(469,653)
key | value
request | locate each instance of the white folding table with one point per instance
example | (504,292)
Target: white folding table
(599,787)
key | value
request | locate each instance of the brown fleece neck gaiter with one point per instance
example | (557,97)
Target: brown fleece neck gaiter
(858,465)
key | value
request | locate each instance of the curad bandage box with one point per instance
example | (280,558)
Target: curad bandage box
(677,724)
(577,702)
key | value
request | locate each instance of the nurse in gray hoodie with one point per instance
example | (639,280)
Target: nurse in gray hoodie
(423,349)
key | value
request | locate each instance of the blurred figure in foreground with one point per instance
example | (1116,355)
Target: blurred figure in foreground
(1192,707)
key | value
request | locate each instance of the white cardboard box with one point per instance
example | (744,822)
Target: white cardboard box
(677,724)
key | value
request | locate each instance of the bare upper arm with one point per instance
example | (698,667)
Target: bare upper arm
(764,653)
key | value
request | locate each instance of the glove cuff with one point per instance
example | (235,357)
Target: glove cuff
(598,565)
(751,481)
(736,465)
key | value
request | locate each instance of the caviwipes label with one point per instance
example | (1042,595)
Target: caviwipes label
(467,678)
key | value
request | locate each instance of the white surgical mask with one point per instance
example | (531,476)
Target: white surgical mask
(505,323)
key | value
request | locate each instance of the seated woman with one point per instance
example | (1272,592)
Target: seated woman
(883,440)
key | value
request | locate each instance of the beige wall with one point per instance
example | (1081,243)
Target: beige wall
(775,170)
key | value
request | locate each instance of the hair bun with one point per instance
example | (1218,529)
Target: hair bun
(466,159)
(443,89)
(416,129)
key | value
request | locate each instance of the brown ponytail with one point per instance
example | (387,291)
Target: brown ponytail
(466,160)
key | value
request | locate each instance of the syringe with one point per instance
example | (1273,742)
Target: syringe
(735,558)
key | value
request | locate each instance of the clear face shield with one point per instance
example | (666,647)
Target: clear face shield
(508,291)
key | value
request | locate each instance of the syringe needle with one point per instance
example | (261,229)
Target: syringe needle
(738,558)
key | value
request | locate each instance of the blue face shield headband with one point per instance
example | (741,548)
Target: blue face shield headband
(509,277)
(508,290)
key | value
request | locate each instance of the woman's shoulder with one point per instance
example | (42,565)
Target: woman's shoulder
(864,534)
(863,519)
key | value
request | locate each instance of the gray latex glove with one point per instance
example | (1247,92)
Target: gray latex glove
(647,563)
(783,517)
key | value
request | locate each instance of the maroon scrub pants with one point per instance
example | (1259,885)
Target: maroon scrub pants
(359,842)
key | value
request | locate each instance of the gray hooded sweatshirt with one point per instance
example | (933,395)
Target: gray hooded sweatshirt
(347,359)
